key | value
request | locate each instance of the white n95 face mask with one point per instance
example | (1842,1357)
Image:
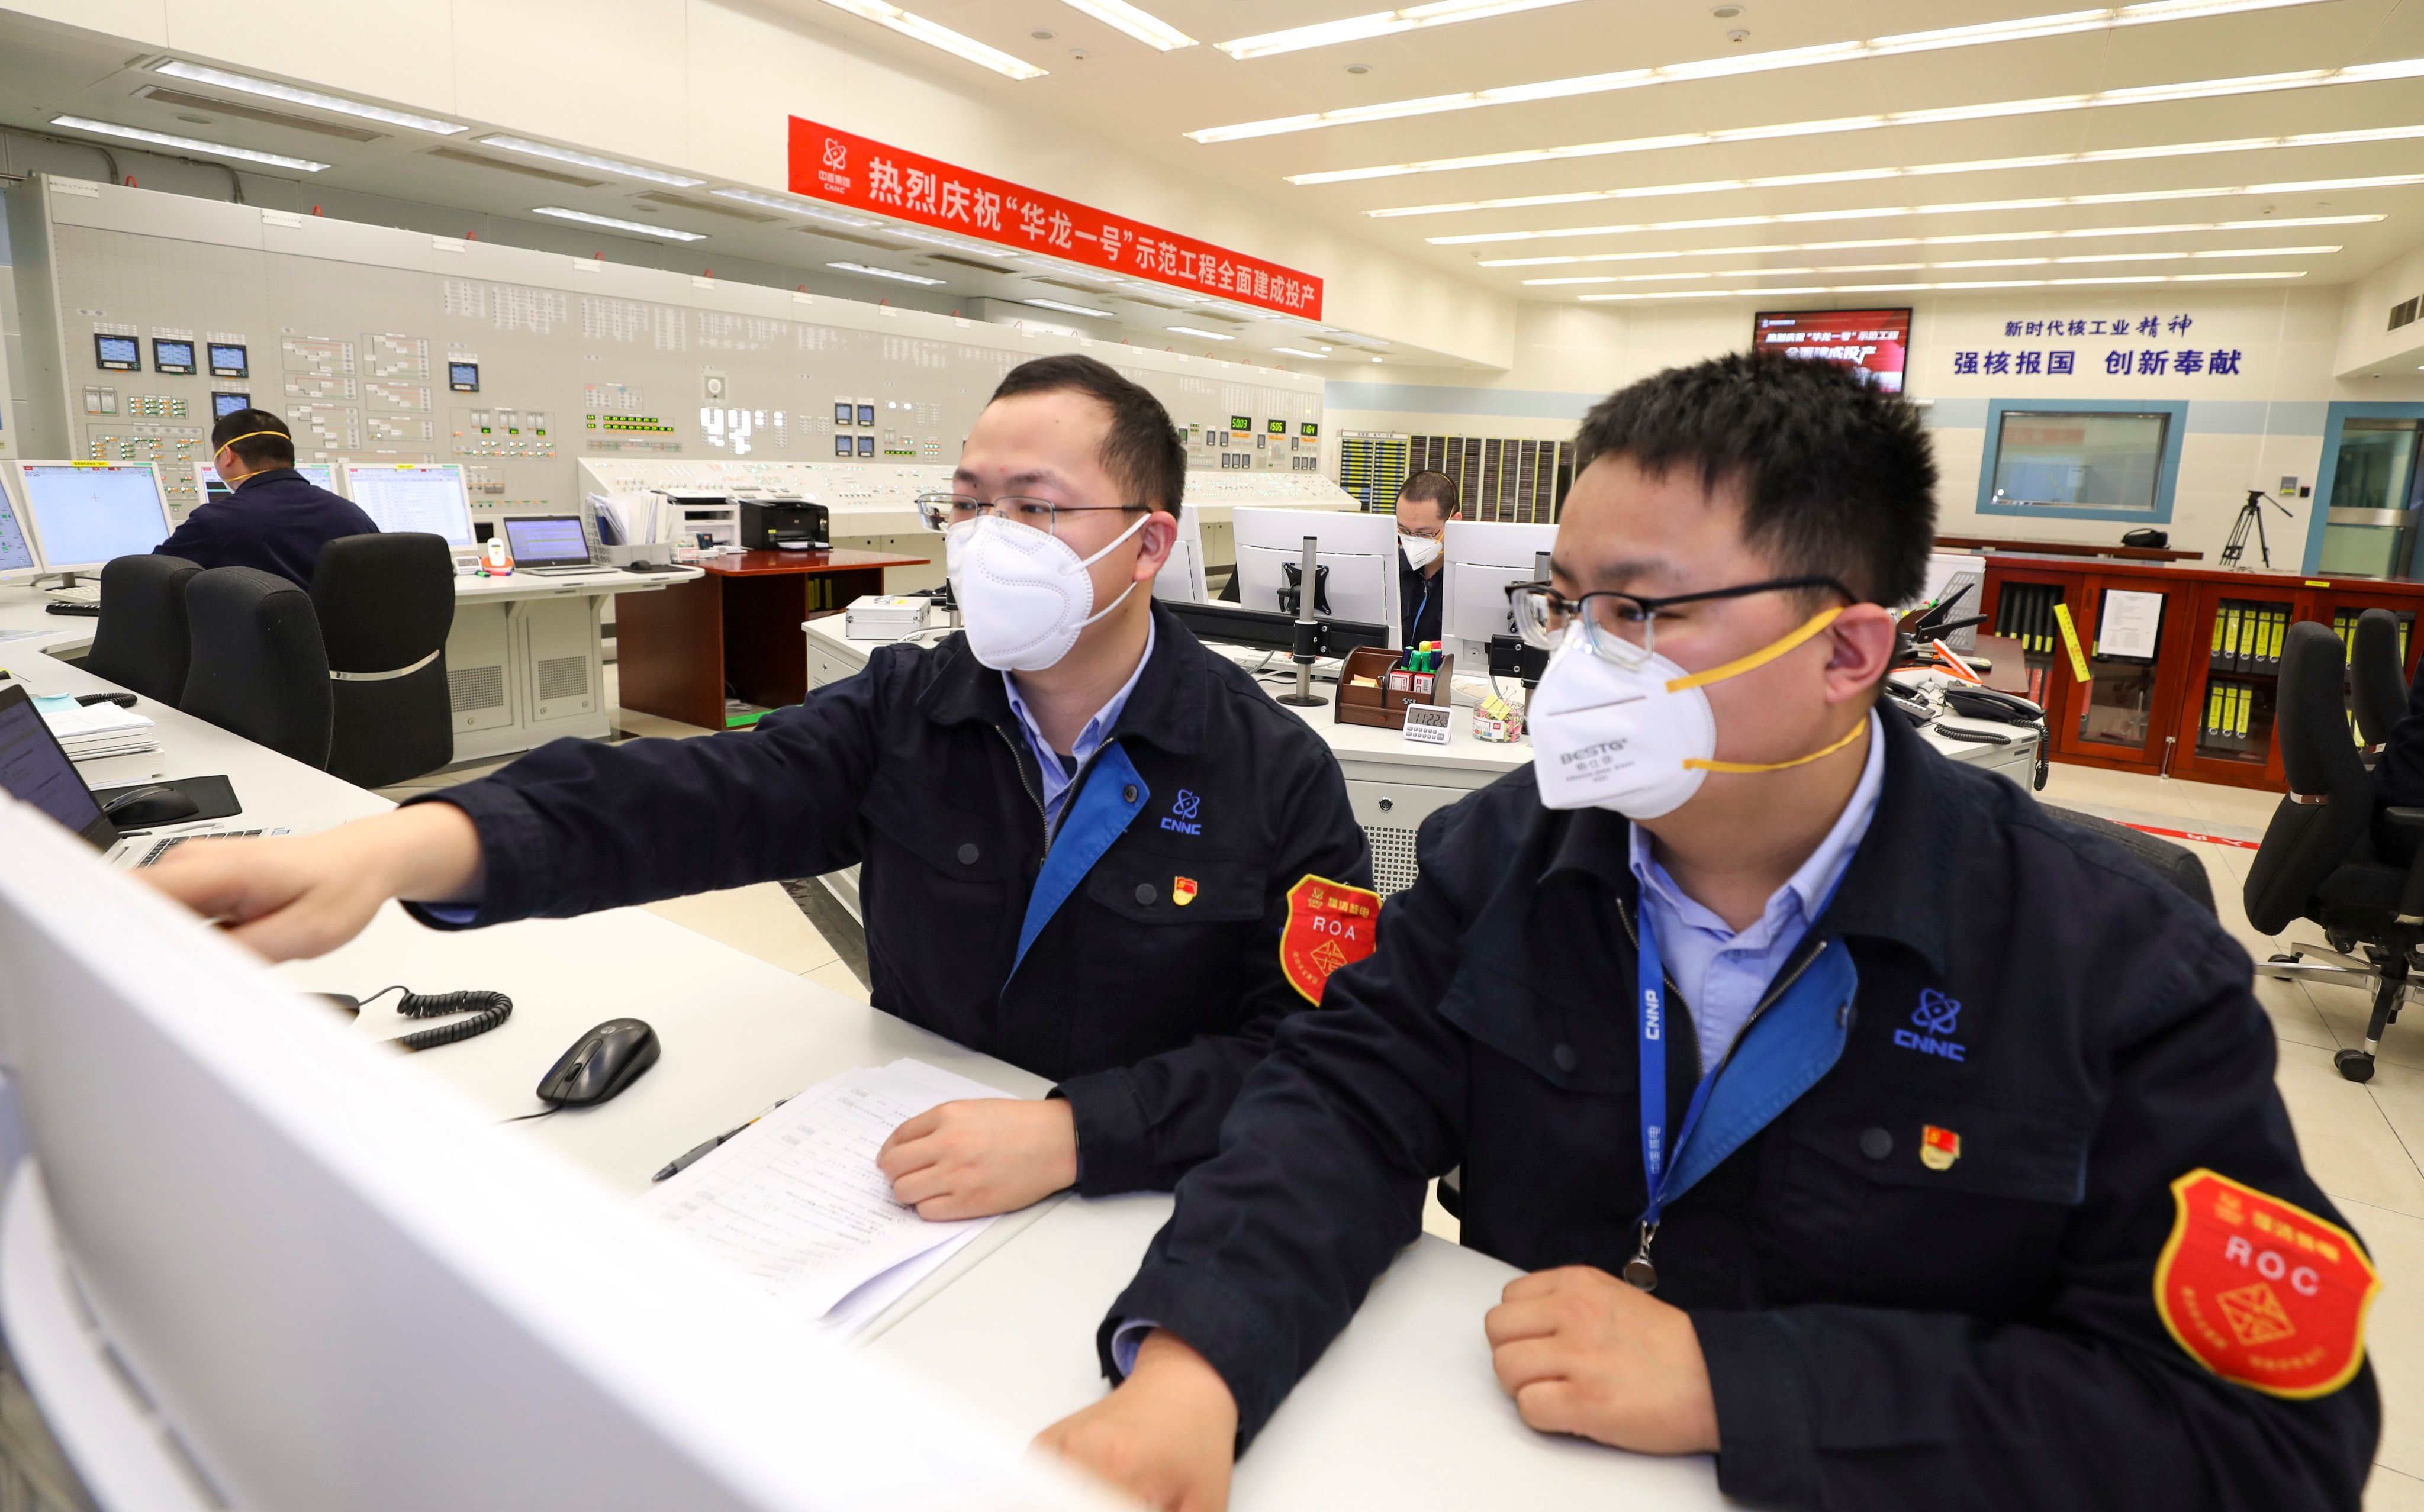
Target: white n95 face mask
(1421,550)
(1639,741)
(1023,593)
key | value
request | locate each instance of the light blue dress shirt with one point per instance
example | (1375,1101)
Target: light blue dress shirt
(1722,974)
(1061,776)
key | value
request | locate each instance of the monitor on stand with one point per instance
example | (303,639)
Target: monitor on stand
(1314,565)
(1479,561)
(1181,578)
(84,515)
(210,489)
(413,496)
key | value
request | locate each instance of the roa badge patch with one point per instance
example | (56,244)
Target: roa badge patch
(1330,925)
(2262,1292)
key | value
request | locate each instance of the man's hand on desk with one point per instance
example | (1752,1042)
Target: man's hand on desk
(986,1156)
(1167,1436)
(289,898)
(1585,1353)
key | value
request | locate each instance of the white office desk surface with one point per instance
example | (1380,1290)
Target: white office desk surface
(1402,1411)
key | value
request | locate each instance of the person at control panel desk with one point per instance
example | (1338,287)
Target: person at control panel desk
(1425,502)
(1087,845)
(1854,1120)
(273,518)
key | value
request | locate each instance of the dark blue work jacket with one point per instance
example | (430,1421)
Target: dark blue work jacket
(276,520)
(1882,1329)
(1146,1001)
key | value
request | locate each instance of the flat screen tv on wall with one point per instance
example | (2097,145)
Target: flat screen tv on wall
(1871,343)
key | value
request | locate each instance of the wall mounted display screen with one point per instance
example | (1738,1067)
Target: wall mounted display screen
(225,403)
(2081,460)
(867,414)
(1871,343)
(842,446)
(1308,428)
(844,414)
(462,377)
(230,359)
(1241,423)
(117,354)
(867,445)
(172,357)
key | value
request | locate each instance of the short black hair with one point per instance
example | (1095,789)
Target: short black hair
(1141,449)
(1837,478)
(1436,486)
(274,449)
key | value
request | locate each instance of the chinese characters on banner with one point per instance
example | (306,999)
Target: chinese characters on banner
(847,169)
(2168,355)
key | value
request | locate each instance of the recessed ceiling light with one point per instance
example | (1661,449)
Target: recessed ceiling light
(559,212)
(1296,351)
(1909,288)
(1144,25)
(933,34)
(1914,267)
(797,207)
(270,88)
(863,270)
(1375,360)
(955,243)
(191,144)
(591,160)
(2023,27)
(1379,23)
(1070,309)
(1190,330)
(1970,238)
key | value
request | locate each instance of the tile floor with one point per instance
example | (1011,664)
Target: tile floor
(2364,1143)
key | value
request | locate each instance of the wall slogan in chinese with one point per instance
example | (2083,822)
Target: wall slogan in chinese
(2165,352)
(846,169)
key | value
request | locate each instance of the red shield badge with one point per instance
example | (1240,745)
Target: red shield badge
(1328,925)
(2262,1292)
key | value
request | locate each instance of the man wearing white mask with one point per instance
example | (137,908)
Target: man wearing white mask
(1425,502)
(1083,839)
(1854,1121)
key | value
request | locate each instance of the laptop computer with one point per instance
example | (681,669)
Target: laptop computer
(547,545)
(35,769)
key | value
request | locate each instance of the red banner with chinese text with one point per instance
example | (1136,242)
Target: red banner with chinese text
(846,169)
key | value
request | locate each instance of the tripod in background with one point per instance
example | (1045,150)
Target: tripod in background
(2252,513)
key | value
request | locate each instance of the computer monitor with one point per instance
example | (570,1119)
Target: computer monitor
(249,1260)
(1480,558)
(546,540)
(208,488)
(17,554)
(1181,578)
(412,496)
(83,514)
(1359,551)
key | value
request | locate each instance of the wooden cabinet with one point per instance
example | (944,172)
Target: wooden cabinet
(2201,705)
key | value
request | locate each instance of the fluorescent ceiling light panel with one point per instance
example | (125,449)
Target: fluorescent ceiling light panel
(1297,351)
(590,160)
(271,89)
(1966,239)
(1069,309)
(1917,267)
(1983,165)
(1966,207)
(954,243)
(1190,330)
(610,222)
(1379,23)
(190,144)
(1946,288)
(1144,25)
(2203,90)
(1715,68)
(863,270)
(936,35)
(796,207)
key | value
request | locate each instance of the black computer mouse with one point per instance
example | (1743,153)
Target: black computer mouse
(147,807)
(600,1064)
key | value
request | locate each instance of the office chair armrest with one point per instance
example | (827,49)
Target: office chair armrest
(2411,898)
(2407,818)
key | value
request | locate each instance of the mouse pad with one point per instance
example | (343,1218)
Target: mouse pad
(215,794)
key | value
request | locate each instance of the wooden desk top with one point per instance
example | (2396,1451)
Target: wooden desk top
(2128,554)
(805,564)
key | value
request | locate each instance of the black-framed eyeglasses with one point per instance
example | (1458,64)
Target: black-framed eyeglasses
(941,511)
(1624,627)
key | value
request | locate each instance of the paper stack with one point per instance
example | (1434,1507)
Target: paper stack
(884,619)
(88,732)
(796,1203)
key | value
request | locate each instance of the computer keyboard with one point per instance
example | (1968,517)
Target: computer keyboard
(171,842)
(71,606)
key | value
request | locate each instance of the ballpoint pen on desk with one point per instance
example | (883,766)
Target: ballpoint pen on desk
(696,1153)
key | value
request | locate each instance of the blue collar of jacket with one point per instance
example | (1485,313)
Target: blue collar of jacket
(1167,708)
(1902,870)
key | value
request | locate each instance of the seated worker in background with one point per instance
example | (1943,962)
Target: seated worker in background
(1079,831)
(1425,502)
(273,518)
(1945,1134)
(2398,779)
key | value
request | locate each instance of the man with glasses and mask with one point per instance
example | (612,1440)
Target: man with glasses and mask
(1425,502)
(1855,1122)
(1081,836)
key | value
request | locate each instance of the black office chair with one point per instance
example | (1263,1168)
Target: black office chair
(139,643)
(2377,678)
(2318,860)
(2175,864)
(385,603)
(258,668)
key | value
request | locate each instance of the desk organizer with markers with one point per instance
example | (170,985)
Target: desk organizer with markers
(1374,685)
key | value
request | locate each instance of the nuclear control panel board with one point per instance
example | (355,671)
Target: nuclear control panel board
(146,316)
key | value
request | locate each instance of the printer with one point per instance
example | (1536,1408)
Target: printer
(782,522)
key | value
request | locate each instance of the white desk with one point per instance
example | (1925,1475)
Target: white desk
(1404,1411)
(1394,783)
